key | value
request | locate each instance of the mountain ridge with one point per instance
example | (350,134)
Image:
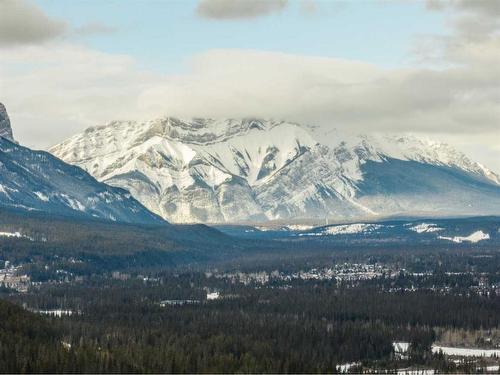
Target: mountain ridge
(38,181)
(235,170)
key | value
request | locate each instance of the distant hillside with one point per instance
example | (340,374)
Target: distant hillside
(26,237)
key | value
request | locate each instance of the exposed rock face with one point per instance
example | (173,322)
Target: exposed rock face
(236,170)
(5,129)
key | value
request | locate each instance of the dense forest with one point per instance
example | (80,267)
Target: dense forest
(312,326)
(103,245)
(30,343)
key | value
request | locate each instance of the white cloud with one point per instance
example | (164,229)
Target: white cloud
(238,9)
(331,92)
(22,22)
(53,92)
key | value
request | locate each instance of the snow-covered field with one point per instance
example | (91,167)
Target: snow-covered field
(290,227)
(428,231)
(473,238)
(465,352)
(15,234)
(56,312)
(353,228)
(416,372)
(425,228)
(346,367)
(346,229)
(299,227)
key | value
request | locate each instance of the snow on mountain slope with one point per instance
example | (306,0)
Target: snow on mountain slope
(202,171)
(205,170)
(37,181)
(431,152)
(408,147)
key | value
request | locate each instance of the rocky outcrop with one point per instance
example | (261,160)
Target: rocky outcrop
(5,128)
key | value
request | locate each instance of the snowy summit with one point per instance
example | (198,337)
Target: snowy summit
(234,170)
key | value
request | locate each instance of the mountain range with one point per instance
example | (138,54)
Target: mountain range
(242,170)
(36,181)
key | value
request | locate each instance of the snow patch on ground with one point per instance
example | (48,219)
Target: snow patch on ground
(213,296)
(346,229)
(55,312)
(473,238)
(291,227)
(352,229)
(264,229)
(466,352)
(298,227)
(346,367)
(14,234)
(425,228)
(400,346)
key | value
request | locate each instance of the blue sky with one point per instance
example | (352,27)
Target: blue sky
(162,35)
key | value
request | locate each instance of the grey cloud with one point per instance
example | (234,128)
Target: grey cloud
(471,19)
(487,7)
(238,9)
(22,22)
(474,37)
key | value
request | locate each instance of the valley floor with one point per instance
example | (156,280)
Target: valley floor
(337,311)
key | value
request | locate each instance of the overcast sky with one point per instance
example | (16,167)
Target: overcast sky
(431,68)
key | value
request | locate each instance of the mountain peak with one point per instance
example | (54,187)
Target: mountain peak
(197,131)
(5,128)
(231,170)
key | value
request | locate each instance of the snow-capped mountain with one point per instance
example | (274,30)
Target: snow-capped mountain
(38,181)
(205,170)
